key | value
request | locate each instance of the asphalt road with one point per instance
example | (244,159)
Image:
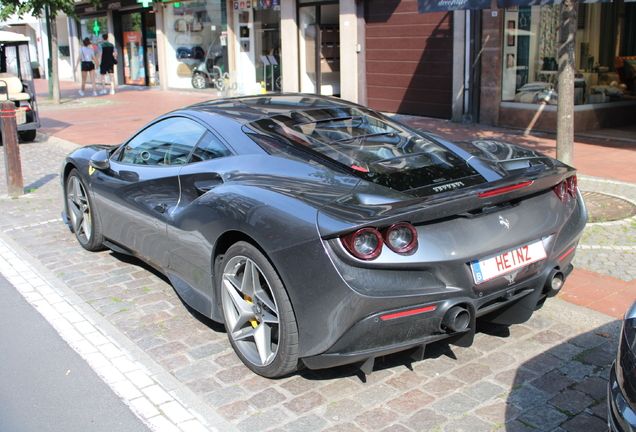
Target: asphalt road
(44,384)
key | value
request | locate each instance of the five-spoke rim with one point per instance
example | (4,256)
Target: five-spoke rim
(79,209)
(251,313)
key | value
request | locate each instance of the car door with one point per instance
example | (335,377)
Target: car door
(195,220)
(137,195)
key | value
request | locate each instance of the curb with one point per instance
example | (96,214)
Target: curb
(151,392)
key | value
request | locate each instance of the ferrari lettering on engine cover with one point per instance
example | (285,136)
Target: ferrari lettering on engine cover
(448,186)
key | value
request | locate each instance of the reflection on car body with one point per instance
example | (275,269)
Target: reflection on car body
(323,233)
(621,392)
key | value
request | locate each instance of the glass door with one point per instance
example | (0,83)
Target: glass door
(319,49)
(133,47)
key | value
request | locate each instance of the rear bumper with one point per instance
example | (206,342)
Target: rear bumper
(396,330)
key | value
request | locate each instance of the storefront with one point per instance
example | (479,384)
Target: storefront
(195,40)
(232,47)
(132,28)
(236,51)
(529,61)
(604,94)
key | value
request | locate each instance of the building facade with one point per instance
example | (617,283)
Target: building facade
(495,66)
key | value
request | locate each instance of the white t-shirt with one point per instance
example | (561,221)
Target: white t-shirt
(87,53)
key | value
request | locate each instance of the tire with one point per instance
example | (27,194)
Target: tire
(199,81)
(258,317)
(219,83)
(279,83)
(84,223)
(28,135)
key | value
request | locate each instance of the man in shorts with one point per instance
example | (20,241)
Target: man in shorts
(107,63)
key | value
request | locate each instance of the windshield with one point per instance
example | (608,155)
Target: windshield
(371,146)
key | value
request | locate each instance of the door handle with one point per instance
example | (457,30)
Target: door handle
(204,186)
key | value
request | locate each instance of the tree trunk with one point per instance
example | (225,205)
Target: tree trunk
(54,62)
(565,106)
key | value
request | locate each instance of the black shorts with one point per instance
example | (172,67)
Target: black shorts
(87,66)
(105,69)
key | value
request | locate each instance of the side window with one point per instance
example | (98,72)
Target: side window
(209,148)
(167,142)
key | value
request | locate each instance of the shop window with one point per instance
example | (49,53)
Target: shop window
(196,49)
(530,52)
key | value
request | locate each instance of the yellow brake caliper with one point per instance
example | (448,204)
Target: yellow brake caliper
(248,299)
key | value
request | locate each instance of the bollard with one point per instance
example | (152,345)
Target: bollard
(12,162)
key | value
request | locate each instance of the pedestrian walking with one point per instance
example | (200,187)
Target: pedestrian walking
(87,60)
(108,60)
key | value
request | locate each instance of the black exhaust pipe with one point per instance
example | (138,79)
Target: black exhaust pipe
(456,319)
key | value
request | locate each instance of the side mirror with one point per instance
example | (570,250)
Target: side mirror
(100,160)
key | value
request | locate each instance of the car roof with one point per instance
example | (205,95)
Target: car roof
(246,109)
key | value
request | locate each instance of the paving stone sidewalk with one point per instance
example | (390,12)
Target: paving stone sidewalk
(609,248)
(548,374)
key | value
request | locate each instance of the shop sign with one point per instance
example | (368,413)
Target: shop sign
(448,5)
(106,5)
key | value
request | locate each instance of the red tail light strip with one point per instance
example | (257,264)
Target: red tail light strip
(504,189)
(407,313)
(567,253)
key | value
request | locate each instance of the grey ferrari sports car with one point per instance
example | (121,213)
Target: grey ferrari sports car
(621,388)
(322,233)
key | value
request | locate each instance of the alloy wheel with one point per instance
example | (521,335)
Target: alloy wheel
(251,313)
(79,210)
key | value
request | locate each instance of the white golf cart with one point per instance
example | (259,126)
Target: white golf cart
(16,82)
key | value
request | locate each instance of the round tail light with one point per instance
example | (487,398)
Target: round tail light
(573,184)
(562,190)
(401,237)
(366,243)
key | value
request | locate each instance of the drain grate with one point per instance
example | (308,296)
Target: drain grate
(605,208)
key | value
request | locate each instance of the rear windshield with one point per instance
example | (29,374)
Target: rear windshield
(370,146)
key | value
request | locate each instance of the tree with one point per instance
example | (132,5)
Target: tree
(565,104)
(51,8)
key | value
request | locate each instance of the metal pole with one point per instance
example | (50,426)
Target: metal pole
(49,65)
(12,162)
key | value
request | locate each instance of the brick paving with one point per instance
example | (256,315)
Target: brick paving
(547,374)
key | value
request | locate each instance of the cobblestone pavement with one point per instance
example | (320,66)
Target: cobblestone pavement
(609,248)
(548,374)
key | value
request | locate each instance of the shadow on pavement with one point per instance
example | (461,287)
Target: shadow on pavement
(565,387)
(40,182)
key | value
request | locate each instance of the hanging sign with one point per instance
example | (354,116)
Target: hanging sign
(448,5)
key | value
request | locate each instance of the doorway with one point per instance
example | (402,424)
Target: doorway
(138,44)
(319,48)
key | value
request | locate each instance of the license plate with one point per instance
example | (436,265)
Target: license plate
(486,269)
